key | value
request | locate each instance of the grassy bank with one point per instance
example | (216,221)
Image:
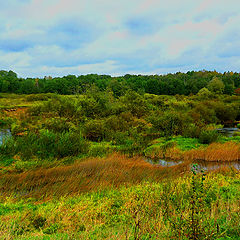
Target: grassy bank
(190,149)
(206,207)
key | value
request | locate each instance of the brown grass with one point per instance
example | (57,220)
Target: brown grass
(228,151)
(221,152)
(92,174)
(16,112)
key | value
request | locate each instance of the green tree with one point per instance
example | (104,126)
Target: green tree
(204,93)
(216,85)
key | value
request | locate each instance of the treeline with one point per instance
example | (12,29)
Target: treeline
(171,84)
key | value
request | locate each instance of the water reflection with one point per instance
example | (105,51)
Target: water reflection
(215,165)
(207,166)
(229,132)
(4,134)
(164,163)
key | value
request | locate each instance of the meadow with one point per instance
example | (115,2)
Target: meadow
(74,166)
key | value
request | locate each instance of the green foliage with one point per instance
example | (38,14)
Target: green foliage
(216,85)
(169,123)
(191,131)
(94,130)
(208,136)
(182,143)
(100,149)
(204,93)
(170,84)
(17,127)
(46,144)
(59,124)
(38,97)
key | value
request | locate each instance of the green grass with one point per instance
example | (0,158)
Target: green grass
(185,144)
(182,143)
(224,139)
(160,210)
(100,149)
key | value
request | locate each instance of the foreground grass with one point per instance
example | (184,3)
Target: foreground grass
(206,207)
(94,173)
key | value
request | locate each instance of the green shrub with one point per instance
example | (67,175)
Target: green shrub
(94,130)
(169,123)
(58,124)
(46,144)
(99,149)
(191,131)
(8,147)
(70,144)
(61,106)
(208,136)
(37,97)
(4,122)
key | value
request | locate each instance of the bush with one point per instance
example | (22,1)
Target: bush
(5,121)
(58,124)
(46,144)
(58,106)
(191,131)
(95,130)
(169,123)
(70,144)
(207,137)
(99,149)
(37,97)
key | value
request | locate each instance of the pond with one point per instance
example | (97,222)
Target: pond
(228,131)
(4,133)
(204,165)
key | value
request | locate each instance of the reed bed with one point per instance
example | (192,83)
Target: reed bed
(222,152)
(94,173)
(225,152)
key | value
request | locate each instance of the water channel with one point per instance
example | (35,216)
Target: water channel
(229,132)
(204,165)
(4,134)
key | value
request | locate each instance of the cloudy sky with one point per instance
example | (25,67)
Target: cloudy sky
(61,37)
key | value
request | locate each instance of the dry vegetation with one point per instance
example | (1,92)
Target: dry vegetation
(228,151)
(222,152)
(94,173)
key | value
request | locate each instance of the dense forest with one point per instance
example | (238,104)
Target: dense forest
(170,84)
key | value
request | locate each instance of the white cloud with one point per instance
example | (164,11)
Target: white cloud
(141,36)
(107,67)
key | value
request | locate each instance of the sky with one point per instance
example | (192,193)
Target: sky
(59,37)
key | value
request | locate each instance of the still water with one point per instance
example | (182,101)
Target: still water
(229,132)
(4,134)
(204,165)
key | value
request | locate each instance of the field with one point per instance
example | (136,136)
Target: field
(74,167)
